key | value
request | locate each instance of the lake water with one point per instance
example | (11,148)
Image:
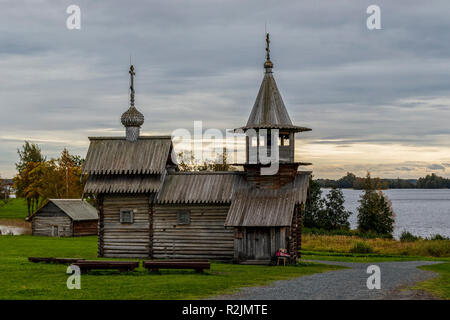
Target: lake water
(423,212)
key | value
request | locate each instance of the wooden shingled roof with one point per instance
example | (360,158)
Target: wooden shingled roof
(123,184)
(266,207)
(116,155)
(76,209)
(226,188)
(200,187)
(269,111)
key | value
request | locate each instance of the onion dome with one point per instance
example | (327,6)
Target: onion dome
(132,118)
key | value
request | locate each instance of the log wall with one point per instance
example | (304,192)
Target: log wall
(85,228)
(286,174)
(121,239)
(48,217)
(204,237)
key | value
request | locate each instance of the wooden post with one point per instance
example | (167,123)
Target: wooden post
(299,229)
(150,226)
(101,225)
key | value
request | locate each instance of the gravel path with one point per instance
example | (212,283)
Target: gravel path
(345,284)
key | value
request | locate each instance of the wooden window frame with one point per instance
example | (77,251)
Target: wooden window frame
(182,220)
(126,210)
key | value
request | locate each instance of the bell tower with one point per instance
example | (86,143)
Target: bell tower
(270,136)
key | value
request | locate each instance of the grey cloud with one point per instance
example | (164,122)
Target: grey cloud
(203,61)
(436,167)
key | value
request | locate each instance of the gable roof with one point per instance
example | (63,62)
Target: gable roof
(265,207)
(200,187)
(116,155)
(269,111)
(76,209)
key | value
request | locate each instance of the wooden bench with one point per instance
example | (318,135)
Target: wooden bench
(198,265)
(88,265)
(54,260)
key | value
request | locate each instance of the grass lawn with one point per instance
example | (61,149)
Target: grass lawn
(14,209)
(20,279)
(439,286)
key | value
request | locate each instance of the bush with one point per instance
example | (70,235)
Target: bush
(439,237)
(408,237)
(361,247)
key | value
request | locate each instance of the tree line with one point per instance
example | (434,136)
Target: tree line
(39,179)
(350,180)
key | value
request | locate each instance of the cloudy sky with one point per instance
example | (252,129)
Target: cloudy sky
(376,100)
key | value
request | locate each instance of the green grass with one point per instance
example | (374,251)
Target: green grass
(363,257)
(20,279)
(439,286)
(14,209)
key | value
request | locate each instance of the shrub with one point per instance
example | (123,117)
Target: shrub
(361,247)
(439,237)
(408,237)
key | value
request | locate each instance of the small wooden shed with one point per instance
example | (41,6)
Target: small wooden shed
(65,218)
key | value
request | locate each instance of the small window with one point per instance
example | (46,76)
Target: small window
(126,216)
(284,139)
(183,217)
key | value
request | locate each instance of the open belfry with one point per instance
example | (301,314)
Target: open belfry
(148,208)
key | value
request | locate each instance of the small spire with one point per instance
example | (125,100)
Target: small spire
(132,73)
(268,65)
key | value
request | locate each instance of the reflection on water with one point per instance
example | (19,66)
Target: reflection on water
(14,227)
(423,212)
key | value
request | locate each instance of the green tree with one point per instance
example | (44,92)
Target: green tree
(375,213)
(346,181)
(30,156)
(334,215)
(187,162)
(30,152)
(314,204)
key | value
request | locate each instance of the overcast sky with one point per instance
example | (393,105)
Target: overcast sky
(376,100)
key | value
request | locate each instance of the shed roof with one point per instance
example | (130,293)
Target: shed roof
(76,209)
(266,207)
(122,184)
(200,187)
(269,111)
(116,155)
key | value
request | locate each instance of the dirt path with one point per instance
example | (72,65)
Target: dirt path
(346,284)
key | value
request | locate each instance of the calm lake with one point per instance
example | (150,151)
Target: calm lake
(423,212)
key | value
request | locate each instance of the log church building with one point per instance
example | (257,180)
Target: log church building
(147,208)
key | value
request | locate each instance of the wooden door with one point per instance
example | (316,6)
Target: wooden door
(55,231)
(258,244)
